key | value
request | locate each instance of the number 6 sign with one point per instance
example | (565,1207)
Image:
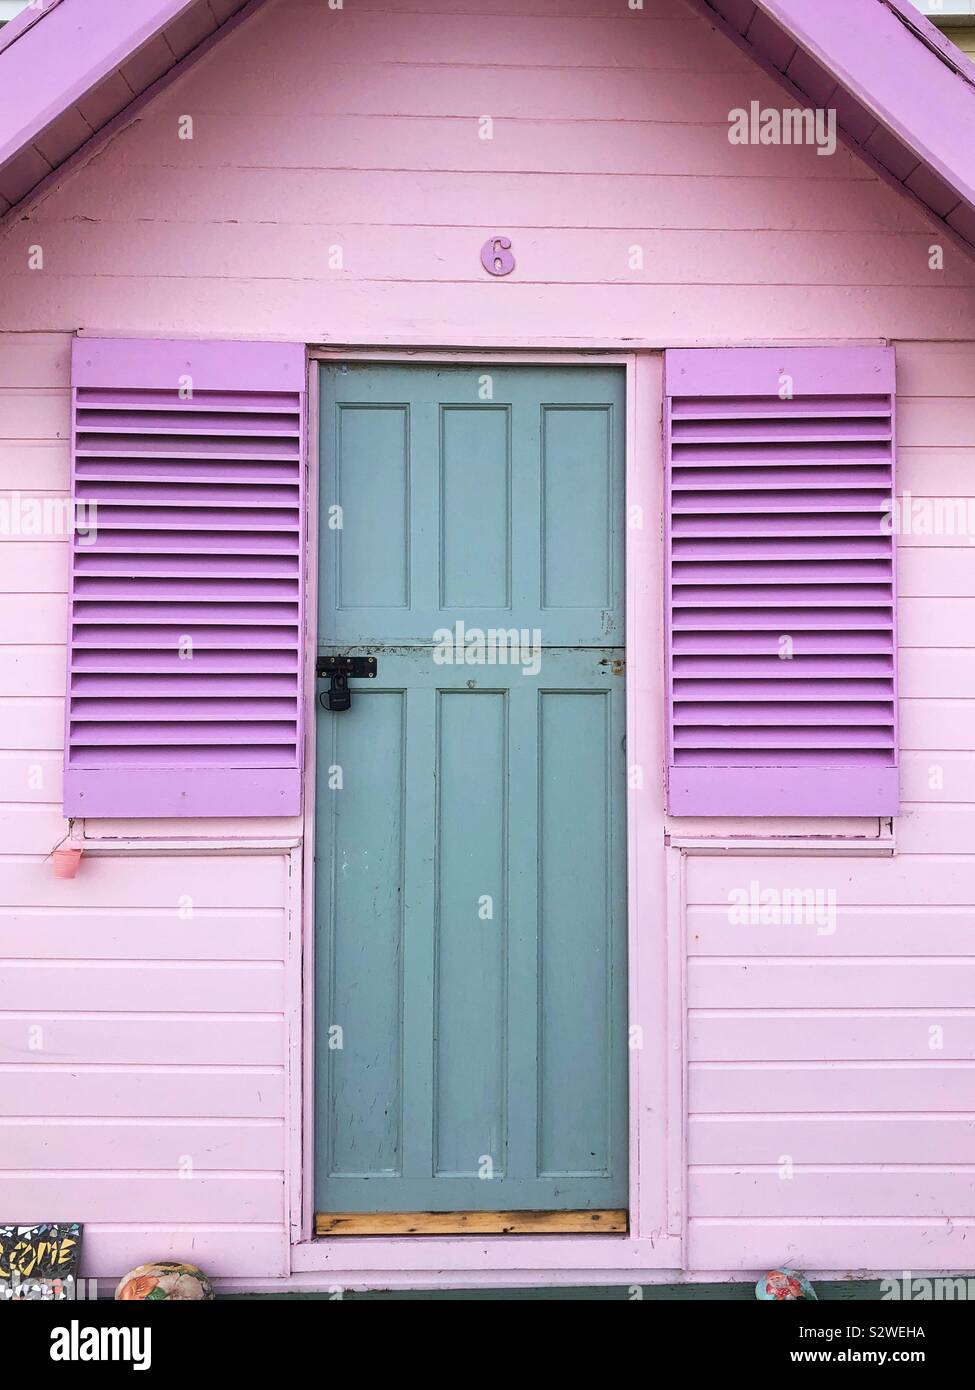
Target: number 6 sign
(496,257)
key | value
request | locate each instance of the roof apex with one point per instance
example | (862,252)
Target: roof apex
(905,97)
(71,67)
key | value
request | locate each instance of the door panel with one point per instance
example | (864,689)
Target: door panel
(453,510)
(475,505)
(470,911)
(469,1009)
(580,563)
(360,885)
(579,761)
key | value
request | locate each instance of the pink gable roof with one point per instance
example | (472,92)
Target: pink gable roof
(70,68)
(905,97)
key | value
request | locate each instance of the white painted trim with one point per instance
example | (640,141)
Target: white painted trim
(438,1262)
(676,1043)
(157,847)
(305,1138)
(303,1281)
(947,13)
(513,356)
(397,347)
(293,1068)
(654,939)
(794,849)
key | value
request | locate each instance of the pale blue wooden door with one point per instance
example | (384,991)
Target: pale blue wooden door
(470,869)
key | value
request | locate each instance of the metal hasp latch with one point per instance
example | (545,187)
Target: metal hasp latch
(337,670)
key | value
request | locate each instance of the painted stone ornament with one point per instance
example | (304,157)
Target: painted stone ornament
(784,1286)
(166,1279)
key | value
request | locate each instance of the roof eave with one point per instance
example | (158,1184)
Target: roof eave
(114,61)
(889,89)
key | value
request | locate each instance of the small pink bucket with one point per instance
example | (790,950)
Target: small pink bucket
(66,862)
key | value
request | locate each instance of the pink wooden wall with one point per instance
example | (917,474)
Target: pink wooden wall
(818,1046)
(358,128)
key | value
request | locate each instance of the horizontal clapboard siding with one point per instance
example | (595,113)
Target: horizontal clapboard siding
(831,1041)
(186,586)
(213,1196)
(874,1139)
(782,690)
(610,129)
(96,1143)
(161,1091)
(144,1056)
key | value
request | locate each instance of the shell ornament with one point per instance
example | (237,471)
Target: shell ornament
(166,1279)
(784,1286)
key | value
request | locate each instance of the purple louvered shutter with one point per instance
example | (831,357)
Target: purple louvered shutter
(780,590)
(184,672)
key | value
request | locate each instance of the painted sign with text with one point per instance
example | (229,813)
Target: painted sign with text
(39,1262)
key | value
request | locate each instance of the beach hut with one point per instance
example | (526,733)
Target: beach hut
(487,667)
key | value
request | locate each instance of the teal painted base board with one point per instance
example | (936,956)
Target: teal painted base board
(843,1291)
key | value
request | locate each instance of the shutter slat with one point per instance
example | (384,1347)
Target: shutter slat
(730,461)
(227,659)
(781,620)
(765,407)
(191,612)
(781,585)
(190,708)
(197,518)
(769,431)
(186,686)
(696,769)
(219,767)
(161,542)
(226,735)
(744,478)
(779,455)
(189,423)
(771,667)
(137,400)
(852,712)
(842,524)
(176,447)
(756,691)
(796,548)
(797,572)
(156,588)
(163,494)
(827,499)
(210,567)
(761,595)
(184,689)
(147,471)
(146,635)
(855,642)
(756,737)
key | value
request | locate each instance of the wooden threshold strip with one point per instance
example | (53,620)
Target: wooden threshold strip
(459,1223)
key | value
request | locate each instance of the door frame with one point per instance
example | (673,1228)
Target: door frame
(656,1148)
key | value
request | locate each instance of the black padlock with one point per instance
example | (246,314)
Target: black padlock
(337,670)
(338,696)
